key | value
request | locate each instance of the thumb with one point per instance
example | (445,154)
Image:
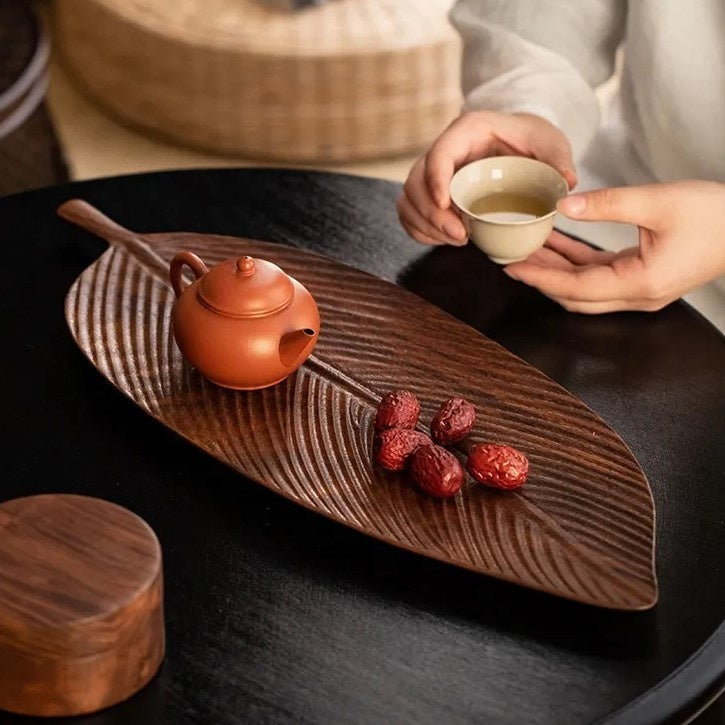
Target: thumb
(638,205)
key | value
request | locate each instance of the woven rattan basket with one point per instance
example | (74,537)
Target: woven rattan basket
(349,80)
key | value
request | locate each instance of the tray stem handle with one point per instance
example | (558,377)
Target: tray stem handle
(87,217)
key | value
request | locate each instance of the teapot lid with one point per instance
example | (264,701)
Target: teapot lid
(246,287)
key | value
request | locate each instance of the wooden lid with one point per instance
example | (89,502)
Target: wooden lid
(81,625)
(246,287)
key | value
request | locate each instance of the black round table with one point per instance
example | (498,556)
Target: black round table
(276,614)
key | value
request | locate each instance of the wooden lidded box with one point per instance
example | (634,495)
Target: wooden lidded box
(81,621)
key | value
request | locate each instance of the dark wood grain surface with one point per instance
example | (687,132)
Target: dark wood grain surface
(81,622)
(275,614)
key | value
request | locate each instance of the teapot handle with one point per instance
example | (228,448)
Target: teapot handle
(177,263)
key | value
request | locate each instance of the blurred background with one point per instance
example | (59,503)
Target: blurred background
(106,87)
(94,88)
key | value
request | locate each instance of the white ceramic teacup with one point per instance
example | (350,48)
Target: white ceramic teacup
(505,238)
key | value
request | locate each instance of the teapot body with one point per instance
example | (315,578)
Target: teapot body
(244,352)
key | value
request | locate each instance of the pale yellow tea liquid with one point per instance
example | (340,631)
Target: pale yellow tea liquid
(507,207)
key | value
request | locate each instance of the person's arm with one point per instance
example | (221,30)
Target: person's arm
(543,58)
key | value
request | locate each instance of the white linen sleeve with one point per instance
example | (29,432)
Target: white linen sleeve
(546,58)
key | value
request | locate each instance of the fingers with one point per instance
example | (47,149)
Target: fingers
(640,205)
(418,211)
(595,283)
(440,166)
(598,308)
(465,139)
(577,252)
(620,284)
(475,135)
(594,308)
(549,258)
(420,237)
(418,227)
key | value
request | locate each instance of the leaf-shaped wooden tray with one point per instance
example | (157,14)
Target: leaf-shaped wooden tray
(583,525)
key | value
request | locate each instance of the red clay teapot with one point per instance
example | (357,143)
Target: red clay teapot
(244,324)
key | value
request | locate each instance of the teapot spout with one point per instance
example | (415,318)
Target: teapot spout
(294,344)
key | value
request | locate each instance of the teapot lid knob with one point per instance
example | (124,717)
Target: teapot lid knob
(244,286)
(245,265)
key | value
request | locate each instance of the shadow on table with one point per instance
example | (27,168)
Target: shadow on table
(467,285)
(337,560)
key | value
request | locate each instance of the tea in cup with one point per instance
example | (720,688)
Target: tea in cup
(507,204)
